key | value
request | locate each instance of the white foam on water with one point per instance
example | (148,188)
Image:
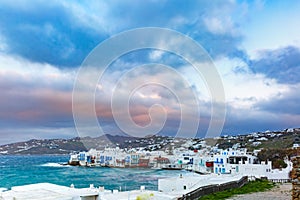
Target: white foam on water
(54,165)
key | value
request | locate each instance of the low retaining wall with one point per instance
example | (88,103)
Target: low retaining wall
(205,190)
(280,180)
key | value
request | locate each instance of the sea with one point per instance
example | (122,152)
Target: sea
(30,169)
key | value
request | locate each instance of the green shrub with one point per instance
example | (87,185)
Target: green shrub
(253,186)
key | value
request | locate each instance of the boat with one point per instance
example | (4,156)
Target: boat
(171,167)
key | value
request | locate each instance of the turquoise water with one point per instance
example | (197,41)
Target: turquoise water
(21,170)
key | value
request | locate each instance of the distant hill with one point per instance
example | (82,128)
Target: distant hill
(66,146)
(262,140)
(267,140)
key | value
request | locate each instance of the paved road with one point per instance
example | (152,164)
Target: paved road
(280,192)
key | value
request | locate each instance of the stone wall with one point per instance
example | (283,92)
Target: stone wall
(295,175)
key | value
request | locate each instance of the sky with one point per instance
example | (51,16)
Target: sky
(254,46)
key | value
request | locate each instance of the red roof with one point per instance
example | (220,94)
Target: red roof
(161,158)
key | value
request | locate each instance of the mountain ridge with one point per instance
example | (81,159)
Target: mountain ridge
(283,139)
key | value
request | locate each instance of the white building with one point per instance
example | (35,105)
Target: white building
(239,162)
(187,183)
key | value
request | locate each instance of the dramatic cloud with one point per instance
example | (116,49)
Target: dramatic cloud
(45,33)
(62,33)
(254,45)
(283,103)
(34,95)
(256,101)
(281,64)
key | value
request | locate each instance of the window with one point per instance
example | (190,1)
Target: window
(184,187)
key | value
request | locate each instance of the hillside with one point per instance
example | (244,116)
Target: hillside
(66,146)
(277,140)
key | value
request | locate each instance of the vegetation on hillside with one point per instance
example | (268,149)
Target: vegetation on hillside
(277,156)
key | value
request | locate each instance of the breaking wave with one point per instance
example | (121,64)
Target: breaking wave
(54,165)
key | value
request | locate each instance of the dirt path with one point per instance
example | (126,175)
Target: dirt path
(279,192)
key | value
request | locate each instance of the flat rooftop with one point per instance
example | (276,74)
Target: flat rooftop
(48,191)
